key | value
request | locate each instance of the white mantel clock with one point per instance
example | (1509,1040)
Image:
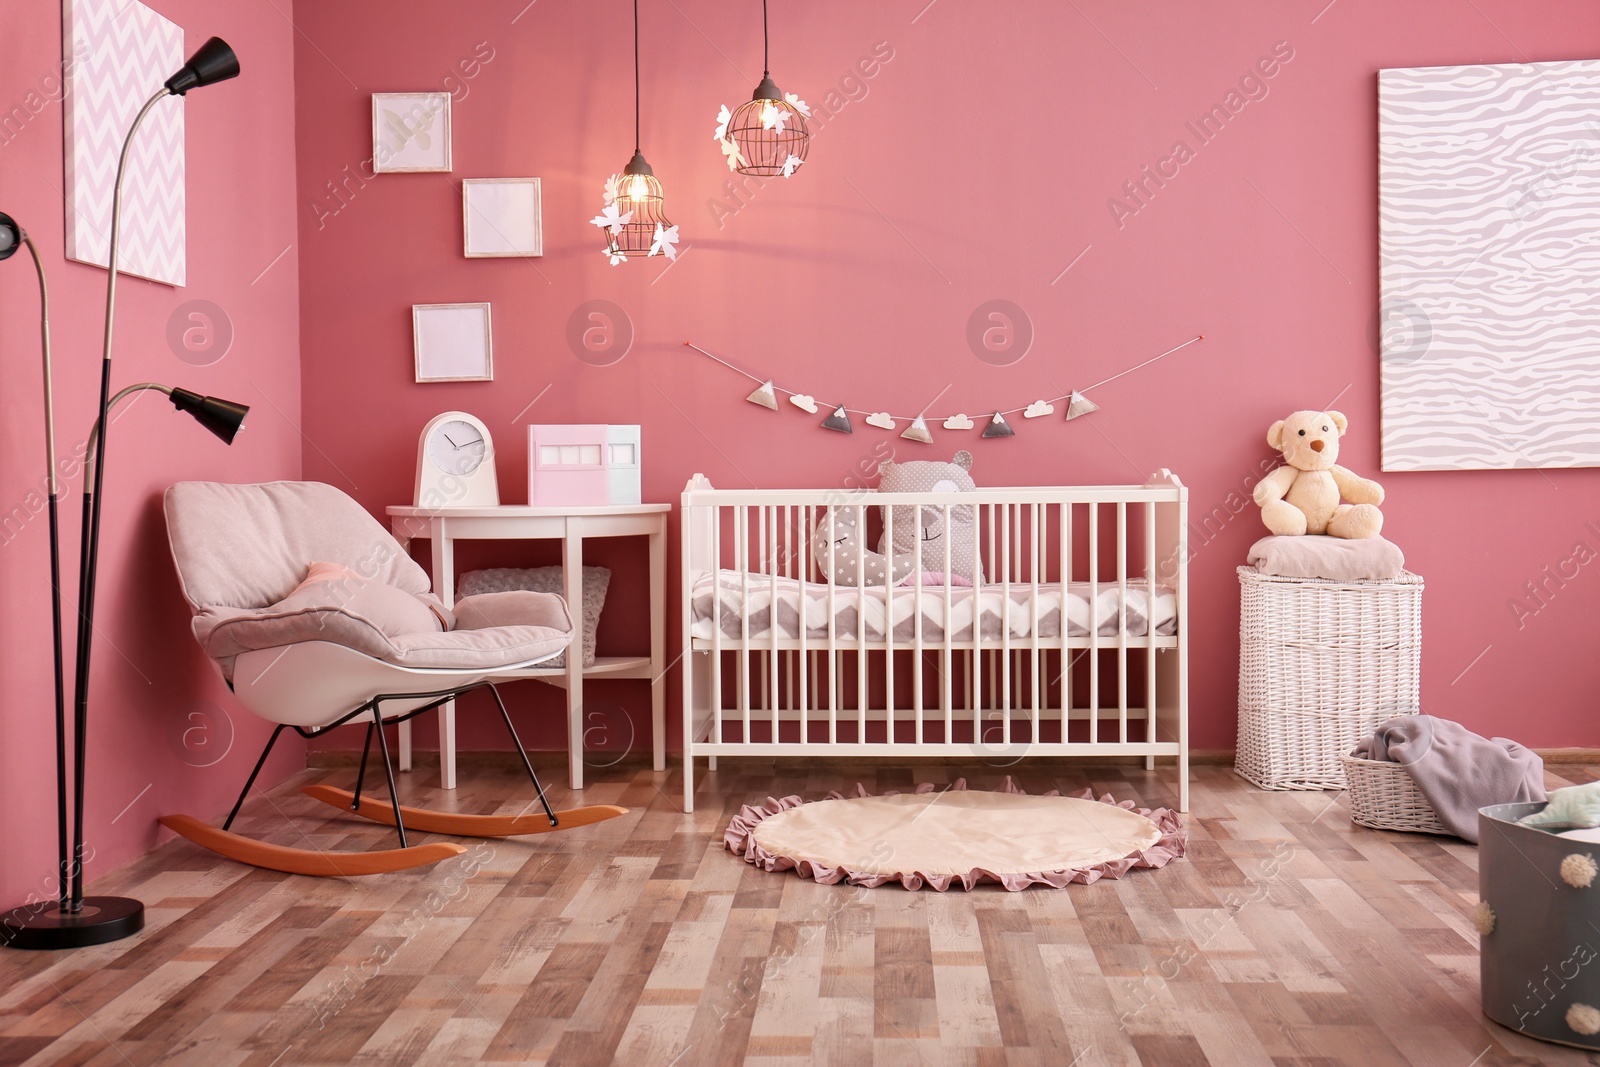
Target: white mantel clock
(455,463)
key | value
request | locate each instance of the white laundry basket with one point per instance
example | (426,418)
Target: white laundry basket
(1321,663)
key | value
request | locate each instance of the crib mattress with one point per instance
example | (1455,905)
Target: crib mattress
(1108,614)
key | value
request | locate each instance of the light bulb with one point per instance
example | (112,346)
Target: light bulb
(638,187)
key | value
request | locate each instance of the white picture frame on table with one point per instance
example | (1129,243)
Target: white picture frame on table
(452,342)
(410,133)
(501,217)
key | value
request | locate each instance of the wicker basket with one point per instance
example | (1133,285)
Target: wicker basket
(1321,664)
(1384,797)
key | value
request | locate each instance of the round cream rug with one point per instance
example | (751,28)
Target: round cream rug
(942,837)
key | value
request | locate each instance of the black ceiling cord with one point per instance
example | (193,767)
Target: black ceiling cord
(636,76)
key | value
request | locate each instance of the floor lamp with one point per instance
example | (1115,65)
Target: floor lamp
(77,921)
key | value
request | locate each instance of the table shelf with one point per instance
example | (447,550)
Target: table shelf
(571,526)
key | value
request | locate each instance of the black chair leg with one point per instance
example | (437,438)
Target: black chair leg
(506,715)
(252,779)
(355,805)
(388,770)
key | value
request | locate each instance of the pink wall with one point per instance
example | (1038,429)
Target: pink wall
(161,717)
(978,162)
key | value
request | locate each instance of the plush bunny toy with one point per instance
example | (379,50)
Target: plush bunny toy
(1306,497)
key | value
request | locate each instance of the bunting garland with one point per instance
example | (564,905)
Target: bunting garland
(998,424)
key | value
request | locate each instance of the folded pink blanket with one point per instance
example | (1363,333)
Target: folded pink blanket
(1456,770)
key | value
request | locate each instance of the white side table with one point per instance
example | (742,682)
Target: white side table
(513,522)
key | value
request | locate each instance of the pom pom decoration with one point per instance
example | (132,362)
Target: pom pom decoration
(1584,1019)
(1483,917)
(1578,871)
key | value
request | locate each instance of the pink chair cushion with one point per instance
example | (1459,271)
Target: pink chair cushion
(334,604)
(242,555)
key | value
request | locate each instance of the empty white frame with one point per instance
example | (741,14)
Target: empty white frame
(410,133)
(501,217)
(452,342)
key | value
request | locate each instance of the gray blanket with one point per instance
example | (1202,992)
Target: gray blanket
(1455,769)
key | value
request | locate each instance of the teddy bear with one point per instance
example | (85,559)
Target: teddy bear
(1306,496)
(927,524)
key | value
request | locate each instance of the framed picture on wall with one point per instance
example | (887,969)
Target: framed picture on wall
(452,342)
(410,133)
(112,44)
(1488,327)
(501,217)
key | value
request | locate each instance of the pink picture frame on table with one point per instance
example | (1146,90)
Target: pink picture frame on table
(584,465)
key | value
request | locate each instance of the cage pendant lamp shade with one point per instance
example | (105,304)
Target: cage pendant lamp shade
(640,200)
(770,133)
(634,219)
(767,136)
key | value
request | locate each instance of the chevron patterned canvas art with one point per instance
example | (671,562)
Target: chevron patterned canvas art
(128,52)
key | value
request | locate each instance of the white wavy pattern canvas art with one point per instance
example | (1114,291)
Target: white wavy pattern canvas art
(127,52)
(1489,228)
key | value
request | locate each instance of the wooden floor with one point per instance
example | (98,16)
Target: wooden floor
(1286,937)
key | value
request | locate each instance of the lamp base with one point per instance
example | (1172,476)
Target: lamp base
(102,919)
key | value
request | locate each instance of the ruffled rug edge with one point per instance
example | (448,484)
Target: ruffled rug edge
(740,838)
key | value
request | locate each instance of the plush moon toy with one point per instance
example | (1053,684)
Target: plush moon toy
(838,548)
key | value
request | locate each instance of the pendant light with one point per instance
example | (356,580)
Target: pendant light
(767,136)
(634,221)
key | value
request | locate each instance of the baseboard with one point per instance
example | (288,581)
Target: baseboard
(495,758)
(1569,755)
(1200,757)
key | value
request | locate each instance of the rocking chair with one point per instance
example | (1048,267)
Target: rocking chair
(316,617)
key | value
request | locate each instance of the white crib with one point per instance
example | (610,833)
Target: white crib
(1058,649)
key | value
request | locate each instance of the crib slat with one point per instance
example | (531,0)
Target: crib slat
(1150,629)
(975,657)
(1066,628)
(803,567)
(788,572)
(716,626)
(1122,621)
(888,618)
(1033,622)
(772,657)
(832,642)
(1005,625)
(861,628)
(916,623)
(947,677)
(1094,622)
(741,542)
(761,661)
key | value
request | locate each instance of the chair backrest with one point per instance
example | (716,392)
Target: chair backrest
(247,546)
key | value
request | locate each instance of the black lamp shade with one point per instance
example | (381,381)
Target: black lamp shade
(10,236)
(212,62)
(222,417)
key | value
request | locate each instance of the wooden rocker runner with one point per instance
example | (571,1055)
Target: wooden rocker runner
(317,618)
